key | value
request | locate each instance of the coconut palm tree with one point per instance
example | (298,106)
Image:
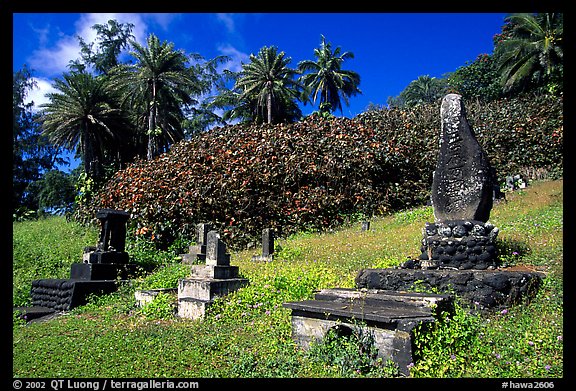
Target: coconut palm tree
(156,88)
(84,115)
(424,89)
(531,51)
(267,85)
(326,81)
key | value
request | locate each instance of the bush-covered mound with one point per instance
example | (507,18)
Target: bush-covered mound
(314,174)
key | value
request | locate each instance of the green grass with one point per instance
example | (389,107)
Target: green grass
(248,333)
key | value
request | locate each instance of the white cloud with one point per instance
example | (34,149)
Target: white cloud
(37,94)
(228,21)
(236,57)
(52,60)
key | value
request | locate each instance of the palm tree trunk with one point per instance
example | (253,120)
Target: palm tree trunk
(269,106)
(152,123)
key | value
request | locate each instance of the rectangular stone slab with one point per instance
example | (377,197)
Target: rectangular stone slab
(384,314)
(402,298)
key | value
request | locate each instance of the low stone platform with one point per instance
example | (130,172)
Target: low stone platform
(31,314)
(482,289)
(389,316)
(66,294)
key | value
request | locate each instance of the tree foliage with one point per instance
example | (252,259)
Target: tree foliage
(424,89)
(267,86)
(530,51)
(326,82)
(85,113)
(32,154)
(314,174)
(478,80)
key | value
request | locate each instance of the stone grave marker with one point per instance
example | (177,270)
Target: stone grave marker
(461,236)
(458,251)
(197,253)
(102,267)
(267,246)
(213,279)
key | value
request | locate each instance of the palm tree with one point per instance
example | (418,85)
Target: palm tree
(424,89)
(267,85)
(84,115)
(531,51)
(157,87)
(327,81)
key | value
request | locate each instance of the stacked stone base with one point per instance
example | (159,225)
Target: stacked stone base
(66,294)
(85,279)
(479,289)
(459,244)
(207,282)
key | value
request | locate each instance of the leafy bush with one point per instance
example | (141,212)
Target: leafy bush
(352,351)
(312,174)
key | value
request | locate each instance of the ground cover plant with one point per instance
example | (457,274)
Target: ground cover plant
(248,333)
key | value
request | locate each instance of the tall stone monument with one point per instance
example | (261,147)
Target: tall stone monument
(461,236)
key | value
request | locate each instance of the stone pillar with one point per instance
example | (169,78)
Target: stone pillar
(267,246)
(112,242)
(462,185)
(461,236)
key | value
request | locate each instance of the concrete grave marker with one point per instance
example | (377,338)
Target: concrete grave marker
(197,252)
(267,246)
(213,279)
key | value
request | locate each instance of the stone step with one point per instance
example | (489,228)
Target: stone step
(66,294)
(376,306)
(35,313)
(482,289)
(214,272)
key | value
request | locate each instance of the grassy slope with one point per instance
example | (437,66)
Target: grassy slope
(247,334)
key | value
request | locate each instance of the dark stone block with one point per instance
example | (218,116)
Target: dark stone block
(460,257)
(499,281)
(485,257)
(462,164)
(64,295)
(491,289)
(102,271)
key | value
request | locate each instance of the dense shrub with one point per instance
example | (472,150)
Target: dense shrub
(313,174)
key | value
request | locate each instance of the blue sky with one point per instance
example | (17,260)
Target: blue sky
(390,49)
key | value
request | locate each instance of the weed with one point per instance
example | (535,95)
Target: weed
(248,333)
(163,306)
